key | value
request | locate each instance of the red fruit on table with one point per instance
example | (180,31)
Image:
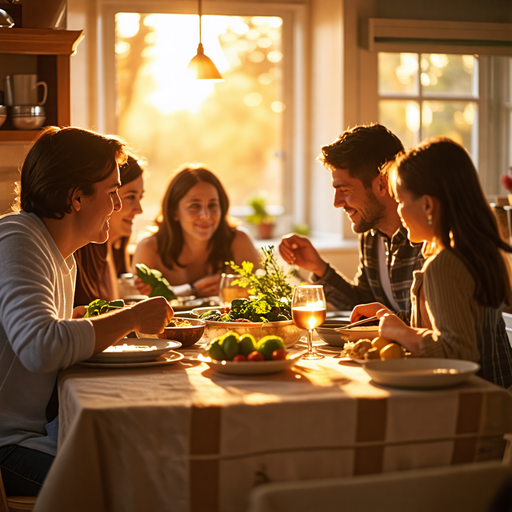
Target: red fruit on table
(507,182)
(279,353)
(239,357)
(255,356)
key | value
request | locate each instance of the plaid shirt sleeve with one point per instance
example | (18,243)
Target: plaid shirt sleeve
(343,293)
(402,259)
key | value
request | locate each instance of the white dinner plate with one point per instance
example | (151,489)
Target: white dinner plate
(420,373)
(138,356)
(167,358)
(252,367)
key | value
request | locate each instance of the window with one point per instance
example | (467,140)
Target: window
(508,111)
(234,127)
(423,95)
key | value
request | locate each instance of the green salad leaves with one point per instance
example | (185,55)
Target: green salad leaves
(271,293)
(160,286)
(99,307)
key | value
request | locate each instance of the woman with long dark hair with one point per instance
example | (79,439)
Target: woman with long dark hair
(99,265)
(459,295)
(194,237)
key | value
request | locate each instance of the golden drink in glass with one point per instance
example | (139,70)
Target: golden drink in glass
(308,312)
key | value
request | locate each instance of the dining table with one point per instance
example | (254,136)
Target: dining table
(184,437)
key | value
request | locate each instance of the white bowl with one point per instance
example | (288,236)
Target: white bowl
(419,372)
(28,122)
(28,117)
(360,332)
(3,114)
(327,333)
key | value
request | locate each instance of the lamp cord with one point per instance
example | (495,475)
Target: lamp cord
(200,14)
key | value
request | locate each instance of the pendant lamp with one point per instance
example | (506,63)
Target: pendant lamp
(201,65)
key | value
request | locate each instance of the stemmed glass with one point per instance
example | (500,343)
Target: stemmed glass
(229,291)
(308,312)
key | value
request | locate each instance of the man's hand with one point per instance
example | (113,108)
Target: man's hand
(298,250)
(79,312)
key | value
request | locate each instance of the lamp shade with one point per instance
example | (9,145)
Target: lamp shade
(203,67)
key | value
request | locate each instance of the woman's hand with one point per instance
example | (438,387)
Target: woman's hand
(144,289)
(153,314)
(79,312)
(148,316)
(394,329)
(207,286)
(367,310)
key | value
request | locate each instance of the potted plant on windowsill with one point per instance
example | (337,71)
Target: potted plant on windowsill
(260,217)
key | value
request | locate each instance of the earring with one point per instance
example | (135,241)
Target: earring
(429,220)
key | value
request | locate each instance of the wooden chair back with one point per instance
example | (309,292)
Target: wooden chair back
(14,503)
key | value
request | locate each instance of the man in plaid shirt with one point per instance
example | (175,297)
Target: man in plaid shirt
(387,257)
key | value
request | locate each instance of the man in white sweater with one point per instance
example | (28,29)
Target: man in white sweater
(68,191)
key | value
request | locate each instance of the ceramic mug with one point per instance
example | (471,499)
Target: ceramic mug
(23,90)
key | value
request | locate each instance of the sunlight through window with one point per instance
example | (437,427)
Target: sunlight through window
(233,127)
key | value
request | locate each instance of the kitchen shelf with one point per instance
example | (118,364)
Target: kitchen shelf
(52,49)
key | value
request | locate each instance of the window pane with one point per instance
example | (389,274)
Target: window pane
(509,88)
(398,73)
(510,138)
(448,74)
(402,118)
(453,119)
(234,127)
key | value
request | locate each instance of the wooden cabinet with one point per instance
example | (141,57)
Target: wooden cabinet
(51,50)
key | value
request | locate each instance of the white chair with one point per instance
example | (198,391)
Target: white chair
(461,488)
(14,503)
(508,326)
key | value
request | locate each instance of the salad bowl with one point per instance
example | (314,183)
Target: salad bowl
(286,330)
(187,331)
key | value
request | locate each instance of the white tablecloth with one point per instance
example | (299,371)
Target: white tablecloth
(183,438)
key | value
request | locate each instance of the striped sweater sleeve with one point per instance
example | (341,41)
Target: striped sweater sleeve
(453,312)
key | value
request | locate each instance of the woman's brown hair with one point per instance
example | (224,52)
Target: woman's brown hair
(170,236)
(61,161)
(441,168)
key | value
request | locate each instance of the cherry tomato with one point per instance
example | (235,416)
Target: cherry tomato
(226,309)
(255,356)
(279,353)
(239,357)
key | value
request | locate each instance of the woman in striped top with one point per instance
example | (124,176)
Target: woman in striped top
(460,293)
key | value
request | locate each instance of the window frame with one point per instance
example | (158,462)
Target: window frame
(294,81)
(419,96)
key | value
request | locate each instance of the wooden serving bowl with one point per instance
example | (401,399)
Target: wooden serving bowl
(285,329)
(187,334)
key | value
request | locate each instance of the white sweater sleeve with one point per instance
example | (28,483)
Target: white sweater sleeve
(36,294)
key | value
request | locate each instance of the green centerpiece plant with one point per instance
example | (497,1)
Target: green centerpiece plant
(270,291)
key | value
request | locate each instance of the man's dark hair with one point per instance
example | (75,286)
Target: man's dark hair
(363,150)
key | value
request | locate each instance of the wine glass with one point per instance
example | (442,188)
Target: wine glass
(229,291)
(308,312)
